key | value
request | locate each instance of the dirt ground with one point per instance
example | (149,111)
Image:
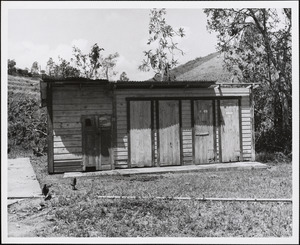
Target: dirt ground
(27,216)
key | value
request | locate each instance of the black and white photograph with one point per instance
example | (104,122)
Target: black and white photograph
(156,122)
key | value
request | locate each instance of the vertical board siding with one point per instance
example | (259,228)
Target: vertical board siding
(69,104)
(230,130)
(121,139)
(169,132)
(204,132)
(140,134)
(121,152)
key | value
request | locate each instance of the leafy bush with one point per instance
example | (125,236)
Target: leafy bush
(27,124)
(277,157)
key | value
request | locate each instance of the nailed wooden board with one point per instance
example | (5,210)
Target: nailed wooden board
(230,133)
(140,134)
(169,141)
(204,140)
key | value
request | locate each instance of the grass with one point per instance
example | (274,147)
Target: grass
(209,67)
(81,214)
(76,216)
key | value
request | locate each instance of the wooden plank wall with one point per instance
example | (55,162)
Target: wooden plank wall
(246,129)
(187,146)
(69,104)
(121,150)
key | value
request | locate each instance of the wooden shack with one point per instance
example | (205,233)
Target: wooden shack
(101,125)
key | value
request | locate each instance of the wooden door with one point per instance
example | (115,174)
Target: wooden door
(169,129)
(140,134)
(229,130)
(203,131)
(104,129)
(105,145)
(90,140)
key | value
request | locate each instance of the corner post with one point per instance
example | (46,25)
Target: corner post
(251,102)
(50,129)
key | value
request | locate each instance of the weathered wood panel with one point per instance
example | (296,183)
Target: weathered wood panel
(186,131)
(90,142)
(66,163)
(140,134)
(73,113)
(65,138)
(81,100)
(76,143)
(70,103)
(67,150)
(73,125)
(50,129)
(169,138)
(121,96)
(67,156)
(64,119)
(204,135)
(105,149)
(230,133)
(80,107)
(246,117)
(63,169)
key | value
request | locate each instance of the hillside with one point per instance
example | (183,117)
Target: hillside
(23,86)
(27,122)
(202,68)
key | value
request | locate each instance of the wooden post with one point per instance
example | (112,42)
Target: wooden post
(152,134)
(214,129)
(157,132)
(193,130)
(50,129)
(114,129)
(219,130)
(180,133)
(128,134)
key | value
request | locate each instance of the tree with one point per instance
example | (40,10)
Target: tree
(35,68)
(123,77)
(108,65)
(95,59)
(50,67)
(61,70)
(162,58)
(11,69)
(66,70)
(258,43)
(88,64)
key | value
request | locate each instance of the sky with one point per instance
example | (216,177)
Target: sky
(37,34)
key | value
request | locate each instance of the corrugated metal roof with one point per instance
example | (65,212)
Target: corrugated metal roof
(73,80)
(155,84)
(130,84)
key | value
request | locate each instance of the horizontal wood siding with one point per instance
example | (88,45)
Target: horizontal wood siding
(217,133)
(187,141)
(246,128)
(121,151)
(69,104)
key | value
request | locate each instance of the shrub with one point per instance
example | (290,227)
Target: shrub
(277,157)
(27,124)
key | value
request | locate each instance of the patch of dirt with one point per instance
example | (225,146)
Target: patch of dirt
(27,217)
